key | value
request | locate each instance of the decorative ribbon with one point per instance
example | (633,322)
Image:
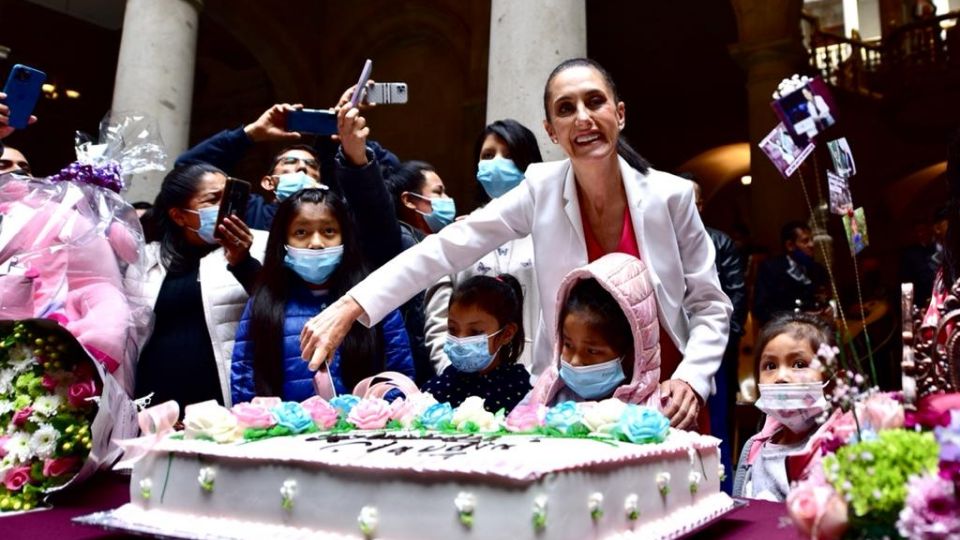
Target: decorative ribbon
(155,423)
(106,175)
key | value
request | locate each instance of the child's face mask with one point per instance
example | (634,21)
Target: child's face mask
(470,354)
(594,381)
(795,405)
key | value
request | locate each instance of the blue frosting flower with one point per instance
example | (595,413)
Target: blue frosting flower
(563,416)
(345,403)
(436,415)
(643,425)
(293,417)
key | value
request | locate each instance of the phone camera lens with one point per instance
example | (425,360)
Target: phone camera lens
(23,75)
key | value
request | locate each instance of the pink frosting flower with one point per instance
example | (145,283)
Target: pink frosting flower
(253,415)
(881,412)
(60,466)
(266,402)
(817,509)
(78,393)
(526,417)
(17,477)
(324,415)
(20,417)
(370,414)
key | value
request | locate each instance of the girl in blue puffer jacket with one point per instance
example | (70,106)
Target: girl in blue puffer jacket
(312,259)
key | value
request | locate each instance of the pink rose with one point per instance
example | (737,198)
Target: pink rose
(78,393)
(266,402)
(60,466)
(370,414)
(526,417)
(17,477)
(49,382)
(3,442)
(83,371)
(253,415)
(881,412)
(406,410)
(324,415)
(817,510)
(20,417)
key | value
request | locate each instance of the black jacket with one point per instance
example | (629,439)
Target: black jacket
(783,284)
(730,270)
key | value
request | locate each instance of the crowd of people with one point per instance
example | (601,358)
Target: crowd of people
(581,279)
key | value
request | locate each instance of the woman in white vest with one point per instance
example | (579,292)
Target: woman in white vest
(604,198)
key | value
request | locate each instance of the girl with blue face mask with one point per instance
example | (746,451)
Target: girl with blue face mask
(484,339)
(312,258)
(423,206)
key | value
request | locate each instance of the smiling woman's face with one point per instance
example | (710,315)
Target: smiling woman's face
(583,116)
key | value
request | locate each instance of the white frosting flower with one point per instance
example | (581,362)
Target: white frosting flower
(210,420)
(288,491)
(46,406)
(206,478)
(465,502)
(18,446)
(603,416)
(595,505)
(146,488)
(631,506)
(471,410)
(540,512)
(695,478)
(369,520)
(406,410)
(663,483)
(43,442)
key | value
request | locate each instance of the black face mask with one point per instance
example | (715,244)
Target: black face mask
(802,258)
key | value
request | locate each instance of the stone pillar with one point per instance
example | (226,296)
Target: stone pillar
(770,48)
(155,76)
(527,40)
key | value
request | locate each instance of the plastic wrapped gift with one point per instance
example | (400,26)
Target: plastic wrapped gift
(67,241)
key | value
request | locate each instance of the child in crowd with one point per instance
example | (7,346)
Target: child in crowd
(608,336)
(791,394)
(484,341)
(312,259)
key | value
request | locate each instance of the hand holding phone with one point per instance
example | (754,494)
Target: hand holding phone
(20,96)
(236,195)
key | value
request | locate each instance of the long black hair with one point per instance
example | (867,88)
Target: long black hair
(178,187)
(520,141)
(409,177)
(501,297)
(632,157)
(361,353)
(604,315)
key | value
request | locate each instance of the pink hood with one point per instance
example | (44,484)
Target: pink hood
(626,278)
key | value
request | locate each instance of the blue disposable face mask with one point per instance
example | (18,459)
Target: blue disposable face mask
(208,223)
(498,176)
(592,382)
(443,210)
(470,354)
(290,183)
(314,265)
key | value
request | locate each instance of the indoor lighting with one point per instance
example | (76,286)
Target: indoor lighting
(72,94)
(746,179)
(49,88)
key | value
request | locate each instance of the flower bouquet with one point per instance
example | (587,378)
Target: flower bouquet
(57,412)
(878,472)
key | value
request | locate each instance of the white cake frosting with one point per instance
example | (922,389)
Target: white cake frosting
(410,485)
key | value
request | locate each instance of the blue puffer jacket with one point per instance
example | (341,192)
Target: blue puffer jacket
(297,379)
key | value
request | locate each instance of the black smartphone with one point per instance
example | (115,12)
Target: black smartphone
(316,121)
(236,195)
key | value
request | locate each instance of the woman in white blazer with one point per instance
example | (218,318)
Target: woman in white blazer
(595,191)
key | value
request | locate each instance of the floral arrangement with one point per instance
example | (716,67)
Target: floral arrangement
(878,472)
(609,420)
(47,405)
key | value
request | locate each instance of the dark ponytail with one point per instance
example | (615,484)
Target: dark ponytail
(501,297)
(178,187)
(631,156)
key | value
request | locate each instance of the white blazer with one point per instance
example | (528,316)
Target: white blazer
(692,307)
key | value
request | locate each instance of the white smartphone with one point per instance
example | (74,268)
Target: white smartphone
(387,93)
(362,83)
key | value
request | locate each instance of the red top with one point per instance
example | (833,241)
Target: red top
(669,355)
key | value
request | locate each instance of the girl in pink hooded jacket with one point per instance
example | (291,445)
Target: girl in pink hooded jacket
(608,336)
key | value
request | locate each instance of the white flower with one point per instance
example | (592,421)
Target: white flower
(368,519)
(43,443)
(146,488)
(471,410)
(603,416)
(695,478)
(206,477)
(465,502)
(6,381)
(46,406)
(5,465)
(407,410)
(18,446)
(21,358)
(288,491)
(5,406)
(663,483)
(595,505)
(631,506)
(210,419)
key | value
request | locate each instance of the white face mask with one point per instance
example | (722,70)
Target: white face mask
(795,405)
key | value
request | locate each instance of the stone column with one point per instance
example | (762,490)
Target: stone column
(527,40)
(770,48)
(155,75)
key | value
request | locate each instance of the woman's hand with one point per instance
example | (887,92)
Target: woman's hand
(353,132)
(680,403)
(322,334)
(272,125)
(236,239)
(347,95)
